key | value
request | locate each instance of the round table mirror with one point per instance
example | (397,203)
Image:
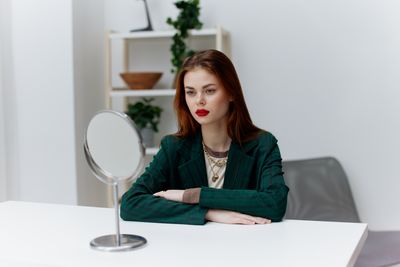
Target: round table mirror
(115,153)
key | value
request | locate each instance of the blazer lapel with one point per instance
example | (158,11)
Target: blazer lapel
(239,166)
(193,171)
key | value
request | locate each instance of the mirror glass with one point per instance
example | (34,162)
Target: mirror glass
(114,146)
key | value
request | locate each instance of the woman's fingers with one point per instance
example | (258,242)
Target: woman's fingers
(245,221)
(253,219)
(224,216)
(159,194)
(261,220)
(174,195)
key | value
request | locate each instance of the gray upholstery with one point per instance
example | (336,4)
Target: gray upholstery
(319,190)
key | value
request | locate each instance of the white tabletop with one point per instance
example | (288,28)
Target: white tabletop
(36,234)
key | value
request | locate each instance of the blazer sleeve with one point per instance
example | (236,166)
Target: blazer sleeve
(139,204)
(268,201)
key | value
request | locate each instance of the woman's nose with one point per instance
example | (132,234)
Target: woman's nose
(200,99)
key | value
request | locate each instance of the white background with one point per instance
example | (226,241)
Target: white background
(53,82)
(3,184)
(323,76)
(41,38)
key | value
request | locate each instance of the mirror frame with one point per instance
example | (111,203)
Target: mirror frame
(104,175)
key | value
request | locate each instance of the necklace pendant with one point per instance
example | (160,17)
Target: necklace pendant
(215,178)
(219,163)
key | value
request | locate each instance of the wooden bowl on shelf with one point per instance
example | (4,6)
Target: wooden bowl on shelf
(140,80)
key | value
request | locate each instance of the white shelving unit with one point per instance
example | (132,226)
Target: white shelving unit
(218,31)
(121,95)
(141,93)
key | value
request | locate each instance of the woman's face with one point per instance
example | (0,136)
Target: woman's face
(205,96)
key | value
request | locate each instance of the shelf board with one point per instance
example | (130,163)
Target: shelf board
(151,150)
(148,92)
(163,34)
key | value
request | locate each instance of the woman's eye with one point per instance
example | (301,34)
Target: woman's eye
(210,91)
(189,92)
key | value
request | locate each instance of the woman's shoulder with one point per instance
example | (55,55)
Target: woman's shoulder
(174,142)
(173,139)
(263,144)
(265,137)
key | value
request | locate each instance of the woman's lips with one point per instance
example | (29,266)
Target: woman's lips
(202,112)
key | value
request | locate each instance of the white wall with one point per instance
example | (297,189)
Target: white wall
(52,77)
(3,181)
(42,65)
(323,77)
(10,167)
(88,20)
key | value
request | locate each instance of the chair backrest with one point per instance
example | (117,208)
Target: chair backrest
(319,190)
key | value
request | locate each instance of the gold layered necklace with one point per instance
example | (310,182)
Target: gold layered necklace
(216,165)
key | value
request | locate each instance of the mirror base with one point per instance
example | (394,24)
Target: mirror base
(109,242)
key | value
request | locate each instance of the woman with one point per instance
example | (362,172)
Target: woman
(218,166)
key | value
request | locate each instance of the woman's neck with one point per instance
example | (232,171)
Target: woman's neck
(216,137)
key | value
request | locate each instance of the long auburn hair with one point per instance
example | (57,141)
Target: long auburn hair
(240,127)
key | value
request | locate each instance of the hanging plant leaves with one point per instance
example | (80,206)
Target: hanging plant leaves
(187,19)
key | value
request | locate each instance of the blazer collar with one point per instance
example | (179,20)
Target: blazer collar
(239,166)
(194,166)
(238,169)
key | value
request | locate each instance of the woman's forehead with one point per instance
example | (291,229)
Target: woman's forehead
(200,76)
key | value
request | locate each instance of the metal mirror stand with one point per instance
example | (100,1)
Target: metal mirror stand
(118,241)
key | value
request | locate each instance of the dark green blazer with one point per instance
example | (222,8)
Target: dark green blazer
(253,182)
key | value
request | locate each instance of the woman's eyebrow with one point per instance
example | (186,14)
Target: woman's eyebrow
(207,85)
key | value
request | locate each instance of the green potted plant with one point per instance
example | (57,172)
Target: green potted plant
(187,19)
(147,117)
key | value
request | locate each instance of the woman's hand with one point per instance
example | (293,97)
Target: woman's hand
(232,217)
(174,195)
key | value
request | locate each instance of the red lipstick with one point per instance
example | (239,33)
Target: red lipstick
(202,112)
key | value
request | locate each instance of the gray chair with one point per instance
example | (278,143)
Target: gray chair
(319,190)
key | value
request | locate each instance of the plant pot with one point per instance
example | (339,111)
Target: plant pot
(147,136)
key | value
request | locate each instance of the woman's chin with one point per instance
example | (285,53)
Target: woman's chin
(202,122)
